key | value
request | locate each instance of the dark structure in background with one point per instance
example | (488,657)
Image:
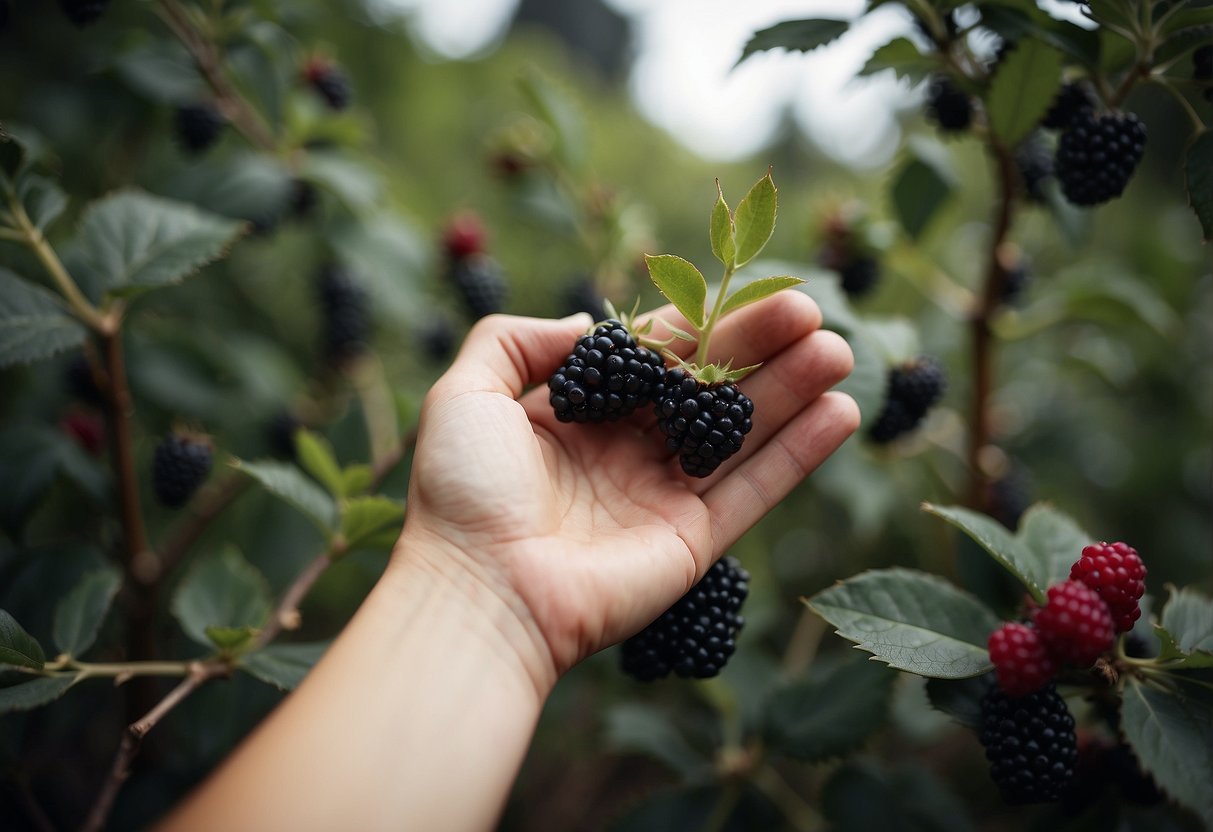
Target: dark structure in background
(590,29)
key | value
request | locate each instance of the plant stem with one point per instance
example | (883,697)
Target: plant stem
(1197,123)
(203,509)
(705,335)
(286,613)
(802,816)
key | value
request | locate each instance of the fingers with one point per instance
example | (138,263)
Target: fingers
(760,481)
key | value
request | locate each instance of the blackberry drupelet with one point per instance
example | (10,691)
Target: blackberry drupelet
(912,389)
(859,276)
(705,425)
(606,377)
(695,637)
(480,284)
(1073,100)
(949,106)
(1117,575)
(179,465)
(346,315)
(330,82)
(1030,744)
(1097,156)
(198,126)
(1034,162)
(83,12)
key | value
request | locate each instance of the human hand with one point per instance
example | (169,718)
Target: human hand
(587,533)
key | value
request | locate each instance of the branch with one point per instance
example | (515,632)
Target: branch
(286,613)
(202,510)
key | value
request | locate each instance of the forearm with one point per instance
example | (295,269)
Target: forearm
(418,717)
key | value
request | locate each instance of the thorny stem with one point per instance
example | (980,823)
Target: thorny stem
(705,335)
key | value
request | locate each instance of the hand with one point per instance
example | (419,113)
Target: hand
(589,532)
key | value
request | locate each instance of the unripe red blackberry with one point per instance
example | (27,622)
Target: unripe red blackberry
(198,126)
(1097,155)
(695,637)
(606,377)
(912,389)
(1075,624)
(87,428)
(463,236)
(329,81)
(705,425)
(346,315)
(1030,744)
(480,284)
(179,466)
(1115,572)
(948,105)
(83,12)
(1073,100)
(1020,659)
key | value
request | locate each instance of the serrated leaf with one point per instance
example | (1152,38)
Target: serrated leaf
(830,713)
(635,728)
(903,57)
(134,240)
(317,458)
(231,639)
(1023,88)
(912,621)
(1187,621)
(288,482)
(17,647)
(720,230)
(1000,543)
(222,590)
(1175,657)
(365,518)
(1182,41)
(34,324)
(1198,175)
(754,220)
(757,290)
(959,698)
(283,665)
(1053,540)
(34,694)
(795,36)
(920,189)
(356,479)
(681,283)
(79,615)
(1172,736)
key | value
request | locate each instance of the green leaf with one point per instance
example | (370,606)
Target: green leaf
(959,698)
(35,693)
(34,324)
(1172,735)
(903,57)
(1198,174)
(635,728)
(354,184)
(134,240)
(1002,546)
(231,639)
(912,621)
(830,713)
(221,590)
(161,71)
(754,221)
(356,479)
(1023,88)
(289,483)
(757,290)
(1053,540)
(1188,621)
(79,615)
(1024,22)
(795,35)
(720,230)
(1182,41)
(43,199)
(365,518)
(17,647)
(1176,657)
(920,189)
(317,458)
(283,665)
(681,283)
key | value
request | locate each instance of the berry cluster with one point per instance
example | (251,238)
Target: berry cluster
(695,637)
(913,388)
(347,315)
(1077,624)
(476,276)
(180,464)
(1030,744)
(606,377)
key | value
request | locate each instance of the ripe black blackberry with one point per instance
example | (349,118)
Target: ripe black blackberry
(1018,276)
(1010,495)
(480,283)
(198,126)
(1035,165)
(859,276)
(606,377)
(83,12)
(329,81)
(581,295)
(912,389)
(1097,155)
(1073,100)
(437,338)
(695,637)
(180,464)
(81,382)
(346,313)
(1030,744)
(704,424)
(280,434)
(948,105)
(1202,70)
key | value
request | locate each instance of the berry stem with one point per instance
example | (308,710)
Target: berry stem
(705,334)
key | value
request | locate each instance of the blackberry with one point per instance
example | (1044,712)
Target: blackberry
(581,295)
(695,637)
(705,425)
(1116,573)
(179,465)
(1020,659)
(859,276)
(347,318)
(437,338)
(1073,100)
(948,105)
(1010,495)
(1018,276)
(1202,70)
(480,283)
(912,389)
(280,434)
(1030,744)
(1075,624)
(1097,156)
(83,12)
(330,83)
(198,126)
(1035,165)
(81,382)
(606,377)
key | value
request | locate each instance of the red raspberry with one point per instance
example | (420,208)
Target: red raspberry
(1075,624)
(1116,573)
(463,236)
(1020,659)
